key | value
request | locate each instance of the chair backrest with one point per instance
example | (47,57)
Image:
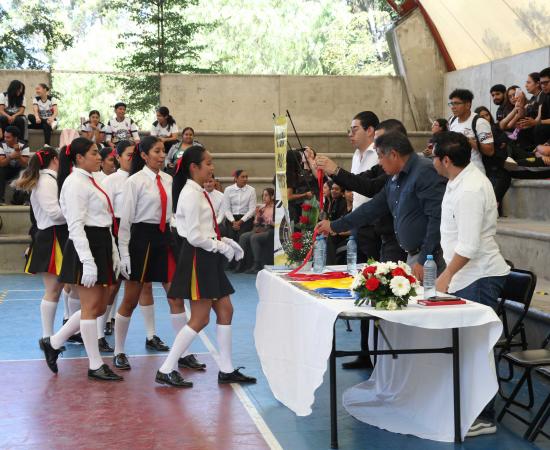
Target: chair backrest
(520,286)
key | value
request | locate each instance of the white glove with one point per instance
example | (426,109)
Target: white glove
(239,252)
(116,261)
(89,274)
(125,266)
(226,250)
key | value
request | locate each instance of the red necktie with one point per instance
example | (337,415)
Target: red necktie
(216,227)
(111,210)
(163,203)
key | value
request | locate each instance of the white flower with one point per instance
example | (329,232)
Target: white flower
(391,265)
(382,268)
(405,267)
(358,281)
(391,306)
(400,286)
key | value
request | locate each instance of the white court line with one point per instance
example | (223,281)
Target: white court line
(254,414)
(85,357)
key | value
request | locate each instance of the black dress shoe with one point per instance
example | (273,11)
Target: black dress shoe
(108,328)
(155,343)
(235,377)
(50,353)
(358,363)
(172,379)
(76,339)
(120,361)
(254,270)
(104,346)
(190,362)
(104,373)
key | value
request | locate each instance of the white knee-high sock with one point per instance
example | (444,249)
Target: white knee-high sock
(88,331)
(101,325)
(148,312)
(112,311)
(178,322)
(71,327)
(47,314)
(74,304)
(223,333)
(121,330)
(66,314)
(181,343)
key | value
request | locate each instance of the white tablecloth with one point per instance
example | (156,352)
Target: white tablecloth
(412,394)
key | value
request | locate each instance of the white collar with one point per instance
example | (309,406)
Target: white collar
(123,172)
(82,172)
(194,185)
(51,172)
(463,173)
(150,173)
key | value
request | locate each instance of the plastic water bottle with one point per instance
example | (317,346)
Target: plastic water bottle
(430,275)
(320,254)
(351,253)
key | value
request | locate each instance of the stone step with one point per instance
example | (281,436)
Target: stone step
(528,199)
(526,243)
(14,219)
(12,251)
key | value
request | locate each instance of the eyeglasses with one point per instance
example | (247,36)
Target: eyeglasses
(544,83)
(353,130)
(455,103)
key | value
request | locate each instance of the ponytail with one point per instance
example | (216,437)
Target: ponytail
(165,112)
(67,158)
(192,155)
(28,179)
(143,147)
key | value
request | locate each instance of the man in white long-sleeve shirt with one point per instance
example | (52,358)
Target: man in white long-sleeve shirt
(475,268)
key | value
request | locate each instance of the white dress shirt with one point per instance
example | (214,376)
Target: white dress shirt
(238,200)
(468,227)
(194,220)
(99,176)
(361,162)
(141,203)
(114,184)
(44,201)
(216,197)
(82,205)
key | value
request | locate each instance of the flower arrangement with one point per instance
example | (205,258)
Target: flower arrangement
(301,238)
(385,285)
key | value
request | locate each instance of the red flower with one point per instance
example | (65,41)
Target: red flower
(411,279)
(304,219)
(296,236)
(369,270)
(372,284)
(398,272)
(306,206)
(298,245)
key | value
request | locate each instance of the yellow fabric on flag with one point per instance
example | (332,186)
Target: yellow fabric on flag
(340,283)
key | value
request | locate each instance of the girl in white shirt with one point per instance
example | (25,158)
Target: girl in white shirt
(165,128)
(93,129)
(145,245)
(90,258)
(44,115)
(46,253)
(200,274)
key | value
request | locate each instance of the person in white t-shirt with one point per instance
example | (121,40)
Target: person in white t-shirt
(165,128)
(12,108)
(14,157)
(93,129)
(476,129)
(44,115)
(475,268)
(120,127)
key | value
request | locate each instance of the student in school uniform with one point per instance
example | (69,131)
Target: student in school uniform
(93,129)
(165,128)
(12,108)
(145,244)
(216,197)
(200,275)
(44,112)
(120,127)
(108,163)
(90,257)
(46,253)
(14,157)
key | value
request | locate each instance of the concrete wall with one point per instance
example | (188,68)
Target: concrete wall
(247,102)
(30,79)
(508,71)
(418,61)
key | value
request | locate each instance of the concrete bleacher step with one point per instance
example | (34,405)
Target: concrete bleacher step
(528,199)
(14,219)
(12,251)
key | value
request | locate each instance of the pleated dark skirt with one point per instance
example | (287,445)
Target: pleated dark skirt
(101,246)
(152,254)
(200,275)
(46,253)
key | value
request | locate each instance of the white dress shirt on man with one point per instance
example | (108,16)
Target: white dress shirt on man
(361,162)
(241,201)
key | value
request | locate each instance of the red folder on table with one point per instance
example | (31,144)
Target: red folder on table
(441,301)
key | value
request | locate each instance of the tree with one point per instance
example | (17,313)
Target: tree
(162,43)
(29,34)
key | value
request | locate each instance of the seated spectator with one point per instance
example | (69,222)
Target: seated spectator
(258,243)
(175,152)
(516,98)
(14,157)
(216,197)
(93,129)
(541,131)
(12,108)
(239,206)
(476,129)
(44,115)
(165,128)
(327,198)
(526,138)
(120,127)
(438,126)
(337,241)
(217,185)
(494,165)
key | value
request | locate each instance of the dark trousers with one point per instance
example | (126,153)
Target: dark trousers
(43,125)
(229,232)
(541,133)
(258,248)
(500,179)
(19,122)
(368,243)
(7,173)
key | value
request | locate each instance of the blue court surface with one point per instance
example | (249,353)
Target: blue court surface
(19,311)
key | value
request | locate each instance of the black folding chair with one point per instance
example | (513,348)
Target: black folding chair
(529,360)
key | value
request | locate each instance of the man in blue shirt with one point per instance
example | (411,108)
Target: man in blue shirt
(412,195)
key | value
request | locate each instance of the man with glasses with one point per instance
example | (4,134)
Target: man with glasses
(476,129)
(542,129)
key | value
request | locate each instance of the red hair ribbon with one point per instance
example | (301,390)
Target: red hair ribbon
(178,164)
(113,153)
(68,150)
(39,156)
